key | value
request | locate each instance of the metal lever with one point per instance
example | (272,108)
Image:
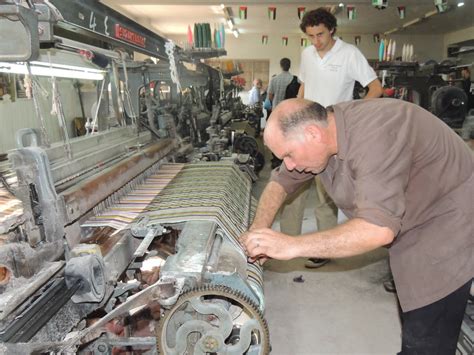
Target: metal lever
(162,289)
(141,229)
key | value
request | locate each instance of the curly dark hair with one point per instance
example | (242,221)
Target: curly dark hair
(318,17)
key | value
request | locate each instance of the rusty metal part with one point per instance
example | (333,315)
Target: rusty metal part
(5,274)
(105,238)
(161,289)
(169,330)
(24,261)
(22,293)
(90,192)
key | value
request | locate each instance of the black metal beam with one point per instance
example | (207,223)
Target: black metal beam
(32,319)
(94,19)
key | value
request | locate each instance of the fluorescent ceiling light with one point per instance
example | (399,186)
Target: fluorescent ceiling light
(461,3)
(222,6)
(393,30)
(236,33)
(431,13)
(341,4)
(57,70)
(409,23)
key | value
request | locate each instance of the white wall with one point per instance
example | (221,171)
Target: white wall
(465,34)
(425,46)
(21,113)
(249,46)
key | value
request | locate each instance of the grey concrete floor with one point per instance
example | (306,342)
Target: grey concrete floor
(340,308)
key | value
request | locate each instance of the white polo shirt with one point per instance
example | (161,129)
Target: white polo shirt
(331,80)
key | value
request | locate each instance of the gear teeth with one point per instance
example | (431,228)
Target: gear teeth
(216,290)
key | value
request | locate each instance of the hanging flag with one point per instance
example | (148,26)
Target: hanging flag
(380,4)
(351,13)
(272,13)
(284,40)
(301,12)
(265,39)
(441,5)
(401,12)
(357,40)
(243,12)
(304,42)
(376,38)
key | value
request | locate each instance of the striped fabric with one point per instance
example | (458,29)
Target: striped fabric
(214,191)
(11,209)
(218,192)
(120,214)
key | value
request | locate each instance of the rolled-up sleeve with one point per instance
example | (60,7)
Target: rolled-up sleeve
(289,180)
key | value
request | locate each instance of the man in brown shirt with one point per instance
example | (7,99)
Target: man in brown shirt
(404,179)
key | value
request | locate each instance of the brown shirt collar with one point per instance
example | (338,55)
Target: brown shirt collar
(341,133)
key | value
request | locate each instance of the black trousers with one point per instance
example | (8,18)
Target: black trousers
(434,329)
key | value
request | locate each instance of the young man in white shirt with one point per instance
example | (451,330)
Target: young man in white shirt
(328,71)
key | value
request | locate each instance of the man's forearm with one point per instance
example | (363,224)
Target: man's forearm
(351,238)
(270,202)
(375,90)
(301,92)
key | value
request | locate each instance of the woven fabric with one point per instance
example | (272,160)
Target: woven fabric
(11,210)
(177,193)
(120,214)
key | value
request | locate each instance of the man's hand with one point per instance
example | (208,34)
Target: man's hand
(265,243)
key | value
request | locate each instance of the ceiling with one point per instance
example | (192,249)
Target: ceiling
(172,17)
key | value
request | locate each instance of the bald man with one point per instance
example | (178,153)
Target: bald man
(404,179)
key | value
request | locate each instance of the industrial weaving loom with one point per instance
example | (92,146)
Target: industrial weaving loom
(189,218)
(210,204)
(219,302)
(119,228)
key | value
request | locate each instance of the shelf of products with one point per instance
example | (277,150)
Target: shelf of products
(204,53)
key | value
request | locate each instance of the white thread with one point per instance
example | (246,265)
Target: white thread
(169,48)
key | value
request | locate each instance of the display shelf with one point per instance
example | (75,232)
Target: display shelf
(229,75)
(397,64)
(204,53)
(464,50)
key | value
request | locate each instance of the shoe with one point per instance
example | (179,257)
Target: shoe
(389,286)
(313,263)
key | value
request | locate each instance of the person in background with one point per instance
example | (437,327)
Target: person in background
(279,83)
(328,72)
(466,85)
(406,182)
(254,93)
(277,90)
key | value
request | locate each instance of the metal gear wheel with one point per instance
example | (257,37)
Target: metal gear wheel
(213,320)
